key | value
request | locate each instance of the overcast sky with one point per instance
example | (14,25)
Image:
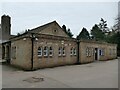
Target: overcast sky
(75,15)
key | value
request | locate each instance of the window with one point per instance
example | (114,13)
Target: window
(88,51)
(55,30)
(50,51)
(100,52)
(45,51)
(103,52)
(39,51)
(92,51)
(75,52)
(71,51)
(63,51)
(14,52)
(60,51)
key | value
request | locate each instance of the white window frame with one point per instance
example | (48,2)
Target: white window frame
(74,52)
(103,52)
(100,52)
(45,51)
(60,51)
(87,51)
(39,52)
(71,51)
(50,51)
(63,51)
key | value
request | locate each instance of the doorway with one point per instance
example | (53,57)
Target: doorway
(3,52)
(96,54)
(8,54)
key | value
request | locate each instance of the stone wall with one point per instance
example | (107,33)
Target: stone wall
(55,59)
(0,52)
(105,51)
(21,53)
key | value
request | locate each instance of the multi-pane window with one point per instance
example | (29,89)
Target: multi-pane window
(74,52)
(92,51)
(88,51)
(39,51)
(101,52)
(71,51)
(63,51)
(45,51)
(50,51)
(14,52)
(60,51)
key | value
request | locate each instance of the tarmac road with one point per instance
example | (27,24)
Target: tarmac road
(99,74)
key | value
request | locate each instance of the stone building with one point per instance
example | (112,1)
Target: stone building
(5,35)
(94,50)
(49,46)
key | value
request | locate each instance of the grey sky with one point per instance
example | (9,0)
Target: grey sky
(75,15)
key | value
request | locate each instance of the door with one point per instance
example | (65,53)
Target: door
(8,54)
(3,52)
(96,53)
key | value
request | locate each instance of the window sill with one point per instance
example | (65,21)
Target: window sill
(46,56)
(50,55)
(64,55)
(39,56)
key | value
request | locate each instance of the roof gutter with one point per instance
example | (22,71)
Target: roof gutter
(32,51)
(78,44)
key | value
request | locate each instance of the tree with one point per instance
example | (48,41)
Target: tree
(64,28)
(68,32)
(97,33)
(84,34)
(116,27)
(115,35)
(103,26)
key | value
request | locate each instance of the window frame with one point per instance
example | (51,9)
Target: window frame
(60,51)
(87,51)
(74,51)
(71,51)
(50,51)
(45,50)
(40,50)
(63,51)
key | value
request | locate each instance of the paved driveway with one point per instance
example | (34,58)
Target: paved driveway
(100,74)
